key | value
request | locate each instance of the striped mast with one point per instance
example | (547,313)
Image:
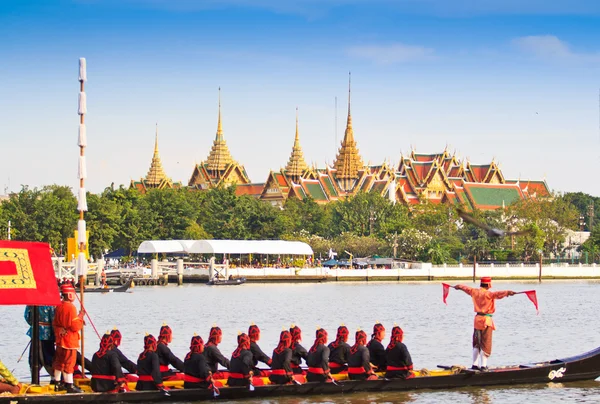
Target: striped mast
(82,203)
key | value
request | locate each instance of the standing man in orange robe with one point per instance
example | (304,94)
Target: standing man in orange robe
(67,324)
(484,305)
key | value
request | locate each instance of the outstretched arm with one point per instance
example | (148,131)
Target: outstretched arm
(501,294)
(468,290)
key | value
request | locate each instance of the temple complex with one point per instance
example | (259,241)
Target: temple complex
(156,177)
(219,168)
(435,178)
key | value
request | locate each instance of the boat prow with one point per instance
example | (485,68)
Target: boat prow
(576,368)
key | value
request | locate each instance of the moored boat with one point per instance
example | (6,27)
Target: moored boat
(576,368)
(122,288)
(225,282)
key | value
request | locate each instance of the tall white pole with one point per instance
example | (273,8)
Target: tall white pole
(82,203)
(9,229)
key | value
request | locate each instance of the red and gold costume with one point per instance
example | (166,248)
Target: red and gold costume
(484,306)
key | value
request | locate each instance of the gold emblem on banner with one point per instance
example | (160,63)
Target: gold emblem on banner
(24,278)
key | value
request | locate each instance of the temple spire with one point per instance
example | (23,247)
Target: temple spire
(348,161)
(296,165)
(219,157)
(156,174)
(219,125)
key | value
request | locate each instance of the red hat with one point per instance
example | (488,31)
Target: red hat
(486,279)
(67,287)
(254,332)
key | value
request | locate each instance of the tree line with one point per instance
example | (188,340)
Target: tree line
(364,225)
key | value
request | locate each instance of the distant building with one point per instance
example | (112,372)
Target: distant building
(156,177)
(437,178)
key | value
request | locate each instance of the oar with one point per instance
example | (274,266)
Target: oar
(215,390)
(21,357)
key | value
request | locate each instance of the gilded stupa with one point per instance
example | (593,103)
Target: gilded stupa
(348,162)
(219,168)
(296,165)
(156,177)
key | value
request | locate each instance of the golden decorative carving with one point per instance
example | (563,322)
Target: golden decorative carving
(24,278)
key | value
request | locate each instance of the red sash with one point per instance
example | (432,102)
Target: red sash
(145,378)
(281,372)
(164,368)
(335,365)
(357,371)
(104,377)
(399,368)
(238,375)
(319,371)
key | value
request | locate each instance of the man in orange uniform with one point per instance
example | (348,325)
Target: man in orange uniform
(67,324)
(484,305)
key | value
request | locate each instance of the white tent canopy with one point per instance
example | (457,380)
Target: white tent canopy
(272,247)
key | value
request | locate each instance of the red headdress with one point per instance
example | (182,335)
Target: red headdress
(321,338)
(296,334)
(378,330)
(106,344)
(397,336)
(254,333)
(214,336)
(116,334)
(486,280)
(341,336)
(285,340)
(360,338)
(149,345)
(166,335)
(196,346)
(243,344)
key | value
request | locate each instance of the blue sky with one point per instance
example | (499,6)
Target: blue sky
(518,83)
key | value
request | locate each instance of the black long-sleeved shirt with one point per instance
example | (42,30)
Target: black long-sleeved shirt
(298,353)
(319,358)
(149,366)
(340,353)
(166,358)
(107,365)
(377,353)
(214,357)
(125,362)
(360,358)
(195,366)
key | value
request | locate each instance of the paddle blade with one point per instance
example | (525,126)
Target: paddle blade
(445,292)
(251,387)
(533,297)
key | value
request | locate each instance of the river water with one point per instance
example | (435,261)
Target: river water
(434,333)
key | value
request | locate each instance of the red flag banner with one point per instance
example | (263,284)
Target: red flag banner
(27,274)
(533,297)
(446,291)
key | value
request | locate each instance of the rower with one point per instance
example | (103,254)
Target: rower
(197,375)
(298,351)
(107,375)
(67,323)
(484,305)
(359,362)
(125,362)
(213,355)
(318,359)
(257,354)
(281,370)
(240,371)
(148,364)
(399,362)
(339,350)
(167,357)
(376,349)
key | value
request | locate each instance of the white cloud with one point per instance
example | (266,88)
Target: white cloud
(550,47)
(391,54)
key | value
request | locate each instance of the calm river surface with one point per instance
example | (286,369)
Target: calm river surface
(434,333)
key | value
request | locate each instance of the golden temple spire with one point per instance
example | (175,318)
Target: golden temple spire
(156,174)
(296,165)
(219,125)
(348,161)
(219,157)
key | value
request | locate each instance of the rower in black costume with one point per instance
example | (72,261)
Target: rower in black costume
(240,369)
(318,359)
(197,375)
(339,350)
(281,370)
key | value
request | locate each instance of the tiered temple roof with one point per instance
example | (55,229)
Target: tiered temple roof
(156,177)
(348,161)
(219,168)
(296,166)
